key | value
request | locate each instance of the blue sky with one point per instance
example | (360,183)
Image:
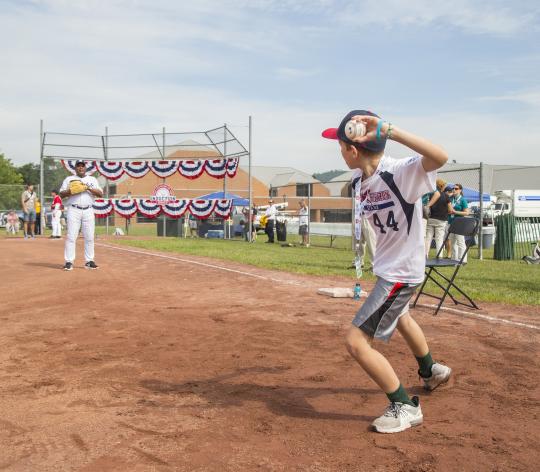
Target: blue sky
(463,73)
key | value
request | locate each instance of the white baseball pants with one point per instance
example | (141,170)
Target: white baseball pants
(55,222)
(77,218)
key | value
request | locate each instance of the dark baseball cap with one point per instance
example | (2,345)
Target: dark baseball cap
(79,162)
(449,188)
(339,133)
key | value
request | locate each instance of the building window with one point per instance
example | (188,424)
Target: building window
(274,191)
(337,216)
(304,190)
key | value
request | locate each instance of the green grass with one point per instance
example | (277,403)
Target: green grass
(509,282)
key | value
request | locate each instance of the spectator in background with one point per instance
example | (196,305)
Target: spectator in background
(303,223)
(56,209)
(440,207)
(38,216)
(270,214)
(12,223)
(367,244)
(460,207)
(28,202)
(253,221)
(192,221)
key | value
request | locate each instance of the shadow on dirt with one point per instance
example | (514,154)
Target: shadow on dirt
(281,400)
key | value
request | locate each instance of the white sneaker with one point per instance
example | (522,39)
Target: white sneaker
(439,375)
(399,417)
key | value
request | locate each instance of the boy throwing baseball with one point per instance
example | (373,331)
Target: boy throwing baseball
(388,194)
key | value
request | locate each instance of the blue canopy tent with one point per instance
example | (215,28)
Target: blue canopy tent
(237,200)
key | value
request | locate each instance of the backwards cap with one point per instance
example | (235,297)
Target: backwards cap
(339,133)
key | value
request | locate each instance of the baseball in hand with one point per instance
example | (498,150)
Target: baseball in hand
(355,129)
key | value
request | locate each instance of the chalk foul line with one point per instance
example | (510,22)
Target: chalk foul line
(491,319)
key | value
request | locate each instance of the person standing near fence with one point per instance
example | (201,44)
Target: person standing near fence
(270,213)
(440,207)
(80,191)
(303,223)
(460,207)
(56,209)
(28,201)
(388,193)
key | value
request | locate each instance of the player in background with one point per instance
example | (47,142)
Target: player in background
(388,193)
(80,213)
(56,209)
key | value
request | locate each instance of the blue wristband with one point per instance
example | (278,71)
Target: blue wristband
(379,126)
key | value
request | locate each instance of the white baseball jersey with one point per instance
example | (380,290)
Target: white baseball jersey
(83,198)
(392,204)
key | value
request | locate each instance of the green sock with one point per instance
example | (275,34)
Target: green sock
(400,395)
(424,364)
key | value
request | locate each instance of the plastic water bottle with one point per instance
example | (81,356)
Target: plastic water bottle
(357,291)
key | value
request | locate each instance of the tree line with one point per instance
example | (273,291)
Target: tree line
(13,178)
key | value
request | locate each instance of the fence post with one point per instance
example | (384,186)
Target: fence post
(41,180)
(481,223)
(250,237)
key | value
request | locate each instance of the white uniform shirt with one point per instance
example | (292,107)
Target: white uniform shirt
(271,212)
(303,216)
(393,208)
(84,198)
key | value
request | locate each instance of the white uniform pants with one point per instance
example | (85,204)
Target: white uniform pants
(457,242)
(435,228)
(55,222)
(75,219)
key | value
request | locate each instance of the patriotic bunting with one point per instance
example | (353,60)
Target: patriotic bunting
(191,169)
(216,168)
(148,208)
(176,208)
(112,170)
(223,208)
(102,207)
(202,209)
(136,169)
(126,207)
(232,166)
(69,164)
(164,168)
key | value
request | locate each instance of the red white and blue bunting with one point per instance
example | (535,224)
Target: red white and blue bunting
(148,208)
(102,207)
(69,164)
(136,169)
(164,169)
(223,208)
(216,168)
(232,166)
(176,208)
(126,207)
(202,209)
(112,170)
(191,169)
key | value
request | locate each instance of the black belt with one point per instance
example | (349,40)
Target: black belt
(81,207)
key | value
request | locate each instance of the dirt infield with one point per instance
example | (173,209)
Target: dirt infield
(161,364)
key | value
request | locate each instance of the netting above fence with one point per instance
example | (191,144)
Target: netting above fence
(219,142)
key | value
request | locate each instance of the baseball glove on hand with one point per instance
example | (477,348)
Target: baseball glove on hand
(76,186)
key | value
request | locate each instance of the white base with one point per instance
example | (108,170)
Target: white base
(339,292)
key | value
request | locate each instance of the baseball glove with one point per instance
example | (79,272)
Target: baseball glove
(76,186)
